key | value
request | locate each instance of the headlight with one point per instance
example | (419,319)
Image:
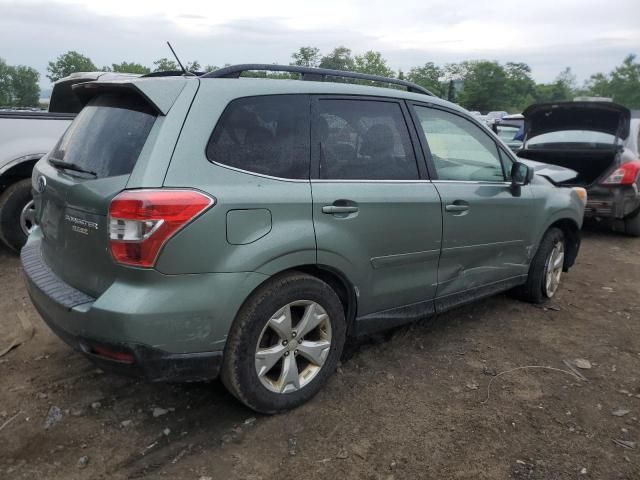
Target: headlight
(582,194)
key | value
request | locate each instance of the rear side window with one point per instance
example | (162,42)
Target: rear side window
(364,140)
(268,135)
(107,136)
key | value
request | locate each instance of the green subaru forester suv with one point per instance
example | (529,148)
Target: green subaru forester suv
(194,226)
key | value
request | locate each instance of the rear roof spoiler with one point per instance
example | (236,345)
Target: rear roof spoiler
(63,100)
(160,93)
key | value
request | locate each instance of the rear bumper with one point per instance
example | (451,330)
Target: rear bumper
(611,203)
(165,327)
(150,363)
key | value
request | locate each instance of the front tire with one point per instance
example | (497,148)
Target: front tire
(17,215)
(284,343)
(545,269)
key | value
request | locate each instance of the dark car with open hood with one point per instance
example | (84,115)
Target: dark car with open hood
(598,140)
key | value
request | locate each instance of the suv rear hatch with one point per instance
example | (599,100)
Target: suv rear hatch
(583,136)
(90,164)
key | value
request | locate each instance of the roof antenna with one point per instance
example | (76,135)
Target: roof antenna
(184,70)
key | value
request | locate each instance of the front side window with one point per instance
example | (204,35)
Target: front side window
(364,140)
(460,149)
(268,135)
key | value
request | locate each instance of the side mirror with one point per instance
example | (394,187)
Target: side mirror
(521,174)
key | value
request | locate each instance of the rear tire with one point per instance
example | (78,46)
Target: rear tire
(12,203)
(249,374)
(632,225)
(539,287)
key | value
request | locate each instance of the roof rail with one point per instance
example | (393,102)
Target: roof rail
(316,74)
(170,73)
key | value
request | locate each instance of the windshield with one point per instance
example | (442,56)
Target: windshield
(586,138)
(107,135)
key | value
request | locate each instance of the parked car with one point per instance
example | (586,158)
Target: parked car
(510,129)
(493,117)
(600,141)
(194,226)
(25,136)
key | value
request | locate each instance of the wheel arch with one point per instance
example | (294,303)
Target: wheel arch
(334,278)
(18,169)
(571,231)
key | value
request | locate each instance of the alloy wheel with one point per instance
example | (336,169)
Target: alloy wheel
(553,269)
(293,346)
(28,217)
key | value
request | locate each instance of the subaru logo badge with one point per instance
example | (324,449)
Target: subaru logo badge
(41,184)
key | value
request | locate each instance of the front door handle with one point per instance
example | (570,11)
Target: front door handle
(332,209)
(457,206)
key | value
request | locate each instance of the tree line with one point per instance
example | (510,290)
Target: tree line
(481,85)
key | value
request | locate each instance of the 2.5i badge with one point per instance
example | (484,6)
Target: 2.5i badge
(80,225)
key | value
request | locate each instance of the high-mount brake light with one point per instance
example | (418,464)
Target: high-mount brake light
(142,221)
(626,174)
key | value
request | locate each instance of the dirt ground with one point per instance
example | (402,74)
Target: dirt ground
(414,404)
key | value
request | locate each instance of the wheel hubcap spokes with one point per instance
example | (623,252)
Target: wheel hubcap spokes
(293,346)
(554,269)
(28,217)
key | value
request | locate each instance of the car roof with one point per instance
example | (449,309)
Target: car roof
(247,86)
(162,91)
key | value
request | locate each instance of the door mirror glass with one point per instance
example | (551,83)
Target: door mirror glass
(521,174)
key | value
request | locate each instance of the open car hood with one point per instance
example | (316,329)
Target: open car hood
(605,117)
(555,173)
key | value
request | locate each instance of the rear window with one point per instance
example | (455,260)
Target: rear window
(572,139)
(107,135)
(268,135)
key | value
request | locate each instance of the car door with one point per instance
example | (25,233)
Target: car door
(486,243)
(377,218)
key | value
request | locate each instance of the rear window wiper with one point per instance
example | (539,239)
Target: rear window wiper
(71,166)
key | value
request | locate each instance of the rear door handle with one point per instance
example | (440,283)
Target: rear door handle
(455,207)
(331,209)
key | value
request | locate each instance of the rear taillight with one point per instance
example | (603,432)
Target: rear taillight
(141,221)
(626,174)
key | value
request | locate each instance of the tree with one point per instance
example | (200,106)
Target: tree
(128,67)
(5,84)
(561,90)
(306,57)
(18,86)
(429,76)
(193,66)
(372,63)
(338,59)
(520,86)
(68,63)
(485,87)
(25,90)
(625,82)
(165,65)
(622,84)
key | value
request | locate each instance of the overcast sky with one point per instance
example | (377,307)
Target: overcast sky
(587,35)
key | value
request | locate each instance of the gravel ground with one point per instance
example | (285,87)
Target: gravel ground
(414,403)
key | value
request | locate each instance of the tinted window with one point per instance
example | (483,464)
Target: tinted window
(364,140)
(267,135)
(460,149)
(107,135)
